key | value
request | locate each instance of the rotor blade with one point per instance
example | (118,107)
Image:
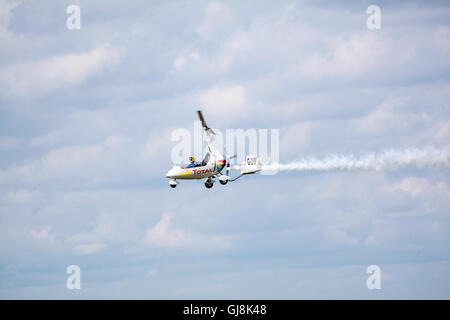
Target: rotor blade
(205,126)
(200,115)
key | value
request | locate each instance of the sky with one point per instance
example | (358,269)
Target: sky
(86,118)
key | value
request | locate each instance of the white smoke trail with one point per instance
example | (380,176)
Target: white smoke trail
(384,160)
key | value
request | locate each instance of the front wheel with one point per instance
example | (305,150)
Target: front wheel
(209,185)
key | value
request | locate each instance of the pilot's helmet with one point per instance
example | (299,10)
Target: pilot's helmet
(192,159)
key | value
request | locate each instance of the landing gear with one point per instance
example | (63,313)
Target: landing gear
(209,183)
(223,179)
(173,183)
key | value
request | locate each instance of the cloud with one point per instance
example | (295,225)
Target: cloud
(10,143)
(418,186)
(181,61)
(216,14)
(44,140)
(42,77)
(60,163)
(164,235)
(151,273)
(380,119)
(218,101)
(295,139)
(64,163)
(413,186)
(89,248)
(85,142)
(115,141)
(42,233)
(360,54)
(5,16)
(71,156)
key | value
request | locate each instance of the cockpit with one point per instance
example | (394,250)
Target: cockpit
(199,164)
(205,160)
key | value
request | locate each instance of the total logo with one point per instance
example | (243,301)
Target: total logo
(220,164)
(202,171)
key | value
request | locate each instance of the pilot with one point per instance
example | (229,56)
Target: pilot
(192,164)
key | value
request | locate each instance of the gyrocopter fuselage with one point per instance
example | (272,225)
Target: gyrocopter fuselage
(212,165)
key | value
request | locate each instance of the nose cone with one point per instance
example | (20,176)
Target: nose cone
(174,172)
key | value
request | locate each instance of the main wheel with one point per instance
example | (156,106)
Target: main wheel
(208,184)
(173,185)
(223,182)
